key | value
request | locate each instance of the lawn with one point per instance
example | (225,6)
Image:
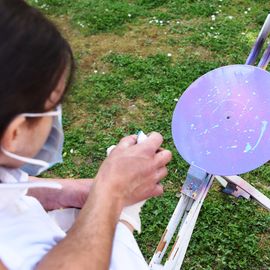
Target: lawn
(135,58)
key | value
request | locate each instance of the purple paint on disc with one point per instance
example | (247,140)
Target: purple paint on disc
(222,121)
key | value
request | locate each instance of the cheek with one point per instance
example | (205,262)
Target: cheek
(54,98)
(41,134)
(45,129)
(57,93)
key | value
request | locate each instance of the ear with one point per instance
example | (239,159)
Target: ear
(11,138)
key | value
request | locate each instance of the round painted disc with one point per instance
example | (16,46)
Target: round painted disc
(222,121)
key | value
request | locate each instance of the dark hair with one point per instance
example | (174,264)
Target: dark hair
(33,56)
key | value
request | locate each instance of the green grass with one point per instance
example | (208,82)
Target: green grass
(126,81)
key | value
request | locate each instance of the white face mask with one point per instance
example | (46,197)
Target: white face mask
(51,152)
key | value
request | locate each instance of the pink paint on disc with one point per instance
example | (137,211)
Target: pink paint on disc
(222,121)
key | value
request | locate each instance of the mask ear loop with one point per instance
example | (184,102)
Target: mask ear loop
(38,162)
(25,159)
(57,112)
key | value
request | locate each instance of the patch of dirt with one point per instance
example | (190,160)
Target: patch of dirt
(132,111)
(265,240)
(193,21)
(141,40)
(263,186)
(78,114)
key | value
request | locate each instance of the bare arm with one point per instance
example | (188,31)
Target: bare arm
(2,267)
(74,193)
(89,242)
(130,174)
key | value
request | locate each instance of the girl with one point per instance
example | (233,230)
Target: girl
(37,67)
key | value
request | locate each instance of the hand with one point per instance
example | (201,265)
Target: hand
(73,193)
(133,172)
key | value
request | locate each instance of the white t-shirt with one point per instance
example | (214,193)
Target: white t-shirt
(27,233)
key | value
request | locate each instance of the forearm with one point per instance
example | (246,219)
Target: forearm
(73,193)
(43,195)
(88,244)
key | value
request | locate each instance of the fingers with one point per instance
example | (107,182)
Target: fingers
(158,190)
(109,150)
(127,141)
(152,143)
(162,158)
(160,174)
